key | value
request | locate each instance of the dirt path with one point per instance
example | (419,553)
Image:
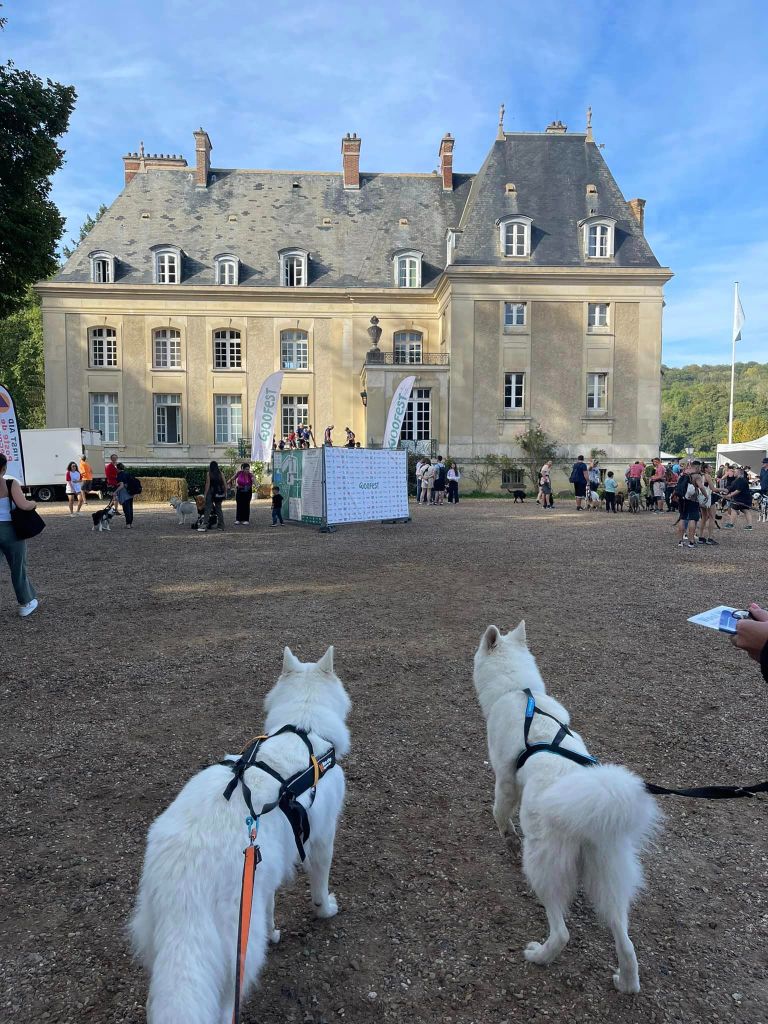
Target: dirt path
(150,656)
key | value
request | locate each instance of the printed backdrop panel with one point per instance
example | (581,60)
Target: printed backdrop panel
(364,484)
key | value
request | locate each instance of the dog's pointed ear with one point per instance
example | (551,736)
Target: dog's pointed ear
(491,638)
(326,662)
(518,633)
(290,661)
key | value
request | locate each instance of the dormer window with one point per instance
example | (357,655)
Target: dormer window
(598,237)
(515,236)
(227,268)
(293,268)
(407,269)
(451,241)
(102,267)
(167,265)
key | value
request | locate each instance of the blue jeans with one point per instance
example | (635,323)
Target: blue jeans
(277,514)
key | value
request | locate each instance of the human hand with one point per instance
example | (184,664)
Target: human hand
(752,634)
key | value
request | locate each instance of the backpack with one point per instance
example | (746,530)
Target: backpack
(133,485)
(681,487)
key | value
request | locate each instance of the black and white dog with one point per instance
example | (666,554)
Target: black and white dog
(102,518)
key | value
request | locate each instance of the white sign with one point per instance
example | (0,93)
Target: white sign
(10,437)
(364,485)
(264,417)
(397,410)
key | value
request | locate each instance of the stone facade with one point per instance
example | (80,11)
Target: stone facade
(353,227)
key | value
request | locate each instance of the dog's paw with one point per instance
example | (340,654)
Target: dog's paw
(627,985)
(328,909)
(535,953)
(274,936)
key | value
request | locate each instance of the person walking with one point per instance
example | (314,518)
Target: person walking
(243,495)
(579,478)
(277,507)
(328,436)
(453,484)
(215,493)
(610,491)
(545,485)
(15,550)
(707,508)
(123,494)
(687,490)
(74,488)
(86,478)
(739,498)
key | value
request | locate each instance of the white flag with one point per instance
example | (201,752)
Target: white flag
(396,413)
(264,417)
(10,436)
(738,314)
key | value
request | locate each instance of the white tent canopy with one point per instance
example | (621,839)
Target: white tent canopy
(744,453)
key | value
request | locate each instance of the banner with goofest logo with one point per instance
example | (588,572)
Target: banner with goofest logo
(396,413)
(265,417)
(10,436)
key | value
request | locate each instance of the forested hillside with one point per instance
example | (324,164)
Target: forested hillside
(694,405)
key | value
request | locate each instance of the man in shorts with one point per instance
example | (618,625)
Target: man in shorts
(579,479)
(634,477)
(687,490)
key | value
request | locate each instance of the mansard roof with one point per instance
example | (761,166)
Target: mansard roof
(352,235)
(550,174)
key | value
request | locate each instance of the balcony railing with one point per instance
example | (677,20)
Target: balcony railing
(377,357)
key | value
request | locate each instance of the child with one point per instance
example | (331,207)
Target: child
(610,491)
(277,507)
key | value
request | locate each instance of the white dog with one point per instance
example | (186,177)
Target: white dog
(183,509)
(185,924)
(582,823)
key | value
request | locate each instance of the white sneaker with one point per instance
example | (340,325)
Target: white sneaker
(27,609)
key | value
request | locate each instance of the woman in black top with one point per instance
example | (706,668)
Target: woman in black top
(215,493)
(740,498)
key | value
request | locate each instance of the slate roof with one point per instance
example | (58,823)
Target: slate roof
(276,210)
(550,173)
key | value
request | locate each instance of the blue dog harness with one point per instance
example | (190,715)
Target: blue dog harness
(586,760)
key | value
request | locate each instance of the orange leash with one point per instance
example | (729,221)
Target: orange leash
(252,860)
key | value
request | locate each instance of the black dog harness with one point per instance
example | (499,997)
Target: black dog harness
(554,747)
(290,789)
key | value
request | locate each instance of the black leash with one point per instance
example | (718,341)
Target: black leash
(710,792)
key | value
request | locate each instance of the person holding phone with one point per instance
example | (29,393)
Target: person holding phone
(752,636)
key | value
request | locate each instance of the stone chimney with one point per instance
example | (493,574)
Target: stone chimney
(637,206)
(556,128)
(203,149)
(446,161)
(350,160)
(141,162)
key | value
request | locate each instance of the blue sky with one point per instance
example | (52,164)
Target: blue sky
(677,88)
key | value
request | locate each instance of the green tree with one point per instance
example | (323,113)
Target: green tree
(22,366)
(483,470)
(695,399)
(33,115)
(85,229)
(537,447)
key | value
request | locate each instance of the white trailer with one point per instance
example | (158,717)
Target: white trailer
(47,453)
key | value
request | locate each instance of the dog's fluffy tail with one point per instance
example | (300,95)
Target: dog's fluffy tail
(601,805)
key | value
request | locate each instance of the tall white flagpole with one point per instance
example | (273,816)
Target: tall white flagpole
(738,321)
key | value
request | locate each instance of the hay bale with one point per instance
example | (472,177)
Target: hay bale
(162,488)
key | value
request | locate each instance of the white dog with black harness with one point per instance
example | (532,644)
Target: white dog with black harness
(583,823)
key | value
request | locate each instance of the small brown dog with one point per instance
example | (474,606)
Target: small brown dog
(620,500)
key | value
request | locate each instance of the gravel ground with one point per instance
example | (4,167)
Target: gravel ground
(150,656)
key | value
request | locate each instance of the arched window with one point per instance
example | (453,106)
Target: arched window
(294,350)
(515,236)
(102,346)
(599,237)
(102,267)
(407,269)
(227,268)
(293,268)
(407,347)
(166,349)
(167,264)
(227,351)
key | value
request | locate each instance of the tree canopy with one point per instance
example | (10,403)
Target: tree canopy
(33,115)
(694,405)
(22,368)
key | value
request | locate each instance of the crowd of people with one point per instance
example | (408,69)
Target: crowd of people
(435,480)
(302,437)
